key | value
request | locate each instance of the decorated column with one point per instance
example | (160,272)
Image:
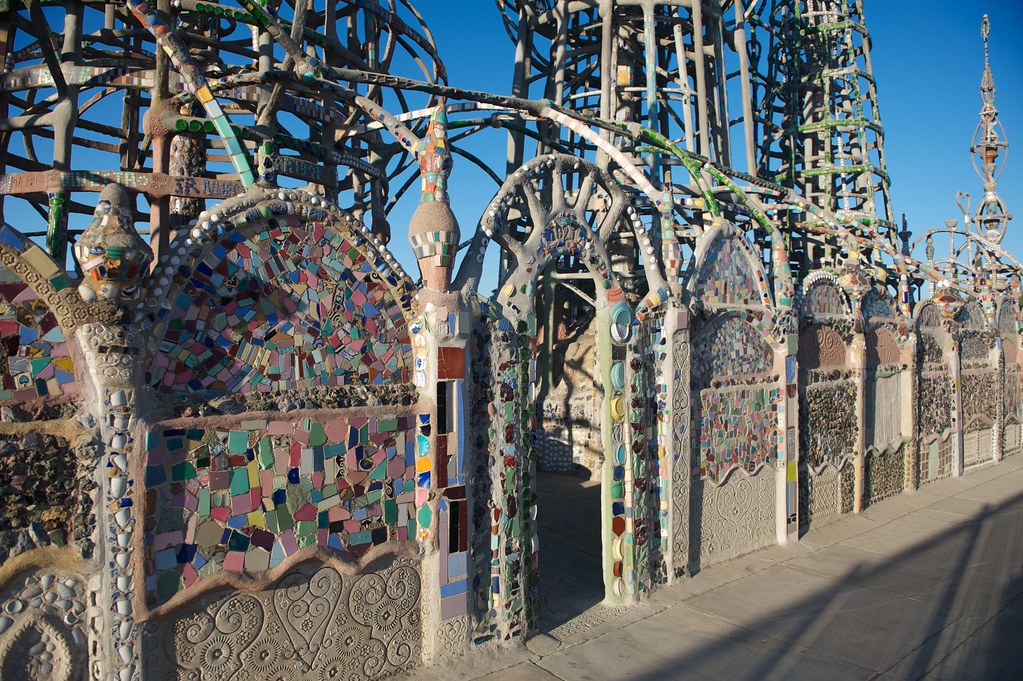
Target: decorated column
(675,442)
(440,339)
(113,258)
(787,334)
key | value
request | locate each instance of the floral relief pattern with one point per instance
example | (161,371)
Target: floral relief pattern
(819,497)
(735,518)
(43,629)
(316,625)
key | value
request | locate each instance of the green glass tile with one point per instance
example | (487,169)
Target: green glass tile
(183,471)
(238,442)
(317,436)
(266,453)
(239,481)
(390,511)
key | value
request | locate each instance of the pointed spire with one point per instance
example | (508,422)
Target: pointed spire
(989,141)
(434,231)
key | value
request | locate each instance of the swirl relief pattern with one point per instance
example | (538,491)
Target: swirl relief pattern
(316,625)
(735,518)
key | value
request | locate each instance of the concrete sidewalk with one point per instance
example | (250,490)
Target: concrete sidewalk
(923,586)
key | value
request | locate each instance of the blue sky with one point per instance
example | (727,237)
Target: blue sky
(927,59)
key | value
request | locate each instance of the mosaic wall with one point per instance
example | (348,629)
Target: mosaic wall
(828,423)
(48,495)
(884,474)
(979,394)
(244,498)
(935,403)
(847,489)
(316,624)
(277,307)
(975,346)
(735,428)
(823,298)
(727,348)
(36,360)
(726,277)
(930,350)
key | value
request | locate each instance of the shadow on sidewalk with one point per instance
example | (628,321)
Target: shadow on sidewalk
(973,625)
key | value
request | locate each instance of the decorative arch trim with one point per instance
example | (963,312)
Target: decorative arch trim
(708,247)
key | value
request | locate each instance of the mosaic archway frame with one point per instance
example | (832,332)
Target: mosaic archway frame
(828,408)
(738,372)
(293,438)
(569,209)
(888,385)
(979,385)
(936,395)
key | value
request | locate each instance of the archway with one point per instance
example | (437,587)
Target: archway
(828,422)
(551,220)
(736,392)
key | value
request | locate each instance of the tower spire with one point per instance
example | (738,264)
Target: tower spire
(989,141)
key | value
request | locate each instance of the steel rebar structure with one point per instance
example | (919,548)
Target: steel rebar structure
(90,96)
(817,120)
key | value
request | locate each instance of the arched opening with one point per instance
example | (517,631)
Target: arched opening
(568,441)
(559,285)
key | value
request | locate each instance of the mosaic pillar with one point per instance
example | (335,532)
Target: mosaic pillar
(113,258)
(996,432)
(645,488)
(446,507)
(187,159)
(787,464)
(512,608)
(787,489)
(614,329)
(675,448)
(858,359)
(910,387)
(955,375)
(114,355)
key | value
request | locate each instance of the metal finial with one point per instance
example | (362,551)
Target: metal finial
(987,83)
(989,143)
